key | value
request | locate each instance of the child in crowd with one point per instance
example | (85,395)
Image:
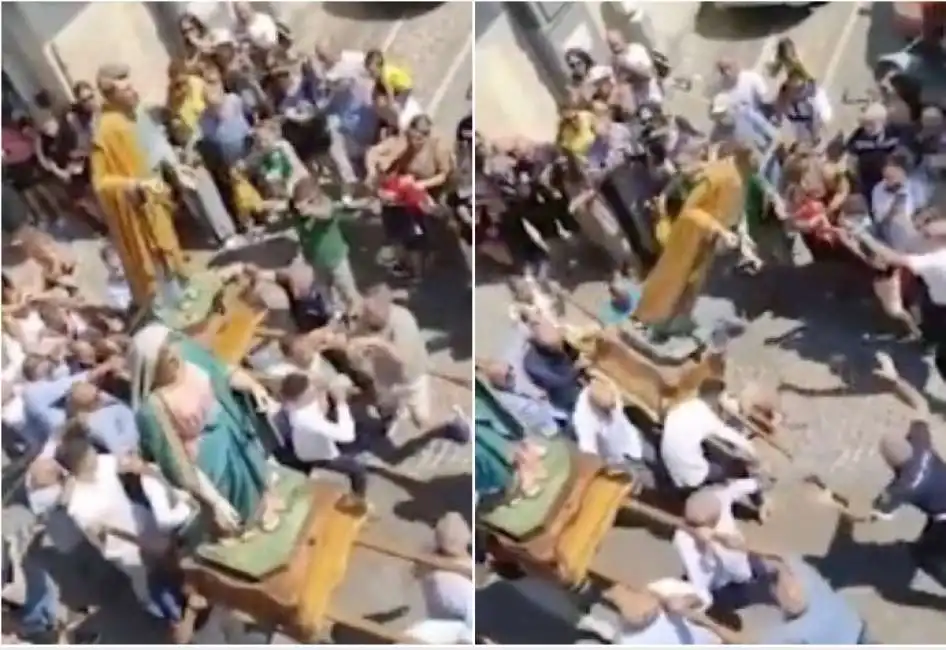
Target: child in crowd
(274,163)
(116,283)
(317,220)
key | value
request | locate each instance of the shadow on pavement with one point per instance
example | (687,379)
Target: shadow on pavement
(379,11)
(886,567)
(839,325)
(531,624)
(430,499)
(747,22)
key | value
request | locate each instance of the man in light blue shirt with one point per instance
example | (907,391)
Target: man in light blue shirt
(353,123)
(813,612)
(44,392)
(111,423)
(224,124)
(45,385)
(533,411)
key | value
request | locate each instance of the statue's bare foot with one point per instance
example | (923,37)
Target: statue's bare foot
(269,521)
(272,507)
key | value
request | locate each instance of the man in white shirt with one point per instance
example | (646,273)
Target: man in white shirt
(602,429)
(649,618)
(930,266)
(95,499)
(449,596)
(688,426)
(256,27)
(626,55)
(632,61)
(341,64)
(315,438)
(710,566)
(739,88)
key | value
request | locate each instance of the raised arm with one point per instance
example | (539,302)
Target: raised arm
(904,391)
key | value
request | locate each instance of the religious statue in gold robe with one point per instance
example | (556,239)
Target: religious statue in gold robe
(709,213)
(128,153)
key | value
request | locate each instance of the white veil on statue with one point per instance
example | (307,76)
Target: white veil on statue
(145,350)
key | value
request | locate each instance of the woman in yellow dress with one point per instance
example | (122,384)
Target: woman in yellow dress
(128,151)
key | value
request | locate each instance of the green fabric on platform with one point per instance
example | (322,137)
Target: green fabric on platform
(195,304)
(495,433)
(525,515)
(230,453)
(263,553)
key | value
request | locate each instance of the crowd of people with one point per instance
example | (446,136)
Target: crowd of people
(126,432)
(658,195)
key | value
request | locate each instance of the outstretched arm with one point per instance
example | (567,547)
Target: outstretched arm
(904,391)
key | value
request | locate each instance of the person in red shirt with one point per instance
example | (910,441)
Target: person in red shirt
(810,215)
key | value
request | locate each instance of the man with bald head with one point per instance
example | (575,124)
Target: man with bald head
(449,595)
(740,89)
(649,619)
(388,345)
(870,144)
(919,479)
(47,383)
(718,573)
(551,368)
(602,429)
(111,424)
(812,612)
(529,407)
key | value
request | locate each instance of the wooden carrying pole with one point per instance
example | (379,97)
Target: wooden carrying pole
(425,560)
(672,521)
(726,634)
(766,437)
(371,628)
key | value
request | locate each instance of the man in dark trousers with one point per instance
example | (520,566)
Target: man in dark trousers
(919,478)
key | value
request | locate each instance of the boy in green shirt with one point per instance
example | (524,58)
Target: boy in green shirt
(317,220)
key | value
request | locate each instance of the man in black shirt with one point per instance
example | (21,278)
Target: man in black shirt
(919,478)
